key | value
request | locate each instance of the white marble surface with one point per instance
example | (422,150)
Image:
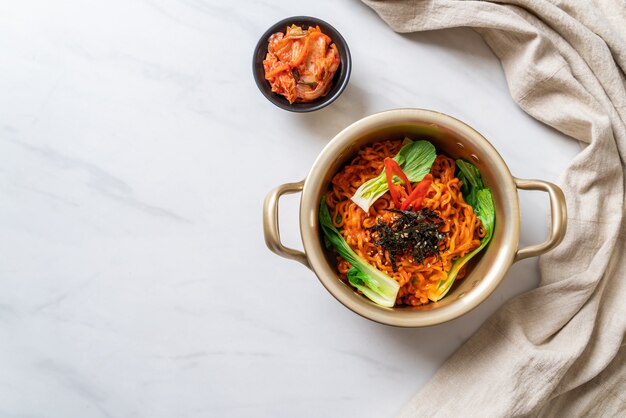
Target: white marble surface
(135,152)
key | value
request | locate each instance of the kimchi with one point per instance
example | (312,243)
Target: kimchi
(300,64)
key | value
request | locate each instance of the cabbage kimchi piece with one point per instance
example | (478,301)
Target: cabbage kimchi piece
(300,64)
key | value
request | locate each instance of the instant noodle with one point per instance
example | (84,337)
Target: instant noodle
(461,229)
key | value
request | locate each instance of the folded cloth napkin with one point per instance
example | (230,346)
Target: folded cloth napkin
(558,350)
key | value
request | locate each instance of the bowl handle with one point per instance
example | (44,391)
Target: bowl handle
(558,209)
(270,222)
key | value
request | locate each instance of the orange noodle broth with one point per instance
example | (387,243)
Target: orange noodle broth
(463,230)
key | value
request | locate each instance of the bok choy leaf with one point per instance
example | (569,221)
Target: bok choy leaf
(415,159)
(480,198)
(373,283)
(472,182)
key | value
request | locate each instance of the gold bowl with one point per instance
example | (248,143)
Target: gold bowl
(453,138)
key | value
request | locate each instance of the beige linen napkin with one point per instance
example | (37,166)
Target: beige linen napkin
(558,350)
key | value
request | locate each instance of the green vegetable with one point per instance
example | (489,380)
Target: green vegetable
(415,159)
(369,287)
(479,197)
(472,182)
(373,283)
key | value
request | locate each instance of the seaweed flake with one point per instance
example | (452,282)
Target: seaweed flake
(414,232)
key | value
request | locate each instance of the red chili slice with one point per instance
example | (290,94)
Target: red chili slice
(415,198)
(393,168)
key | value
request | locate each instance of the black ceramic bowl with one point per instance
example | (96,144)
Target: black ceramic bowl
(340,80)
